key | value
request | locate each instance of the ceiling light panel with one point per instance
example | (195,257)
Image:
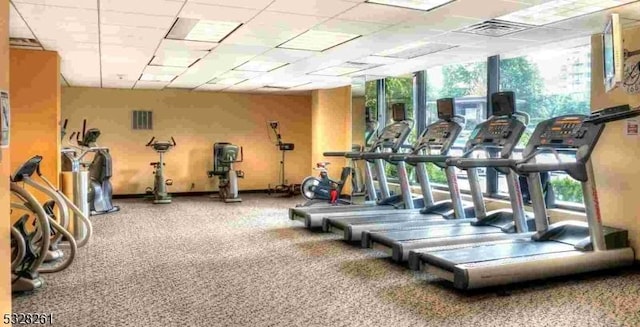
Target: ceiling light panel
(201,30)
(260,66)
(157,77)
(425,5)
(314,40)
(558,10)
(343,69)
(184,45)
(415,49)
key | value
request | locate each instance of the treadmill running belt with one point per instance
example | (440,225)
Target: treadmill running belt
(381,218)
(448,259)
(391,237)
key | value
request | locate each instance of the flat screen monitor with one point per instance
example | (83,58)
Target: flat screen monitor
(503,103)
(612,53)
(445,108)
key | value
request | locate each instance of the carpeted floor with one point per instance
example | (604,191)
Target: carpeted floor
(198,262)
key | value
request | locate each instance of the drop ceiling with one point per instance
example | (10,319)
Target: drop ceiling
(288,46)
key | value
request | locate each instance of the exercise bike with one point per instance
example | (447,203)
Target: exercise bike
(323,189)
(159,190)
(224,156)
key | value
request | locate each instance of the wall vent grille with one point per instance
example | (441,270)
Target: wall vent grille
(142,120)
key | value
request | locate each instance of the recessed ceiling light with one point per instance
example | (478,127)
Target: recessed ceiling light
(343,69)
(415,49)
(157,77)
(317,40)
(260,66)
(413,4)
(201,30)
(227,80)
(557,10)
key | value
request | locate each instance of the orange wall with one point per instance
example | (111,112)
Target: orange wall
(617,180)
(358,124)
(5,256)
(196,120)
(331,131)
(35,112)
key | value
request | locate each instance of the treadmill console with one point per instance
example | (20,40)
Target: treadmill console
(566,132)
(440,134)
(392,136)
(498,132)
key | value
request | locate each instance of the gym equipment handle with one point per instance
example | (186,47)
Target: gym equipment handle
(151,141)
(372,156)
(354,155)
(173,140)
(465,163)
(417,158)
(546,167)
(335,154)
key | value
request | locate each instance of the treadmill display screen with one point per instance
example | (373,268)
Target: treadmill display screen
(445,108)
(563,130)
(504,103)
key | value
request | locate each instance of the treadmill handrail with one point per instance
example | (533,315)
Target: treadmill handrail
(378,155)
(419,158)
(466,163)
(336,153)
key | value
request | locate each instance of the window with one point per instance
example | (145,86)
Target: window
(400,90)
(371,105)
(467,83)
(547,84)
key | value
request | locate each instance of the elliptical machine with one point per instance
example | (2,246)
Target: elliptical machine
(224,156)
(159,190)
(100,191)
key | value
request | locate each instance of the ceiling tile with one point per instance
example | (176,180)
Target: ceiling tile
(350,27)
(543,34)
(211,87)
(141,37)
(251,4)
(164,70)
(17,26)
(321,8)
(148,7)
(485,9)
(367,12)
(136,20)
(117,83)
(55,16)
(62,3)
(217,13)
(292,21)
(149,85)
(285,55)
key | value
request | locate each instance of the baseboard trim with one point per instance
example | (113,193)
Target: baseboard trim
(183,194)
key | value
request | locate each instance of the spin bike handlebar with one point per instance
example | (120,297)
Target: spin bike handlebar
(151,141)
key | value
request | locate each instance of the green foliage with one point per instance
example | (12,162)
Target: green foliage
(463,80)
(436,174)
(567,189)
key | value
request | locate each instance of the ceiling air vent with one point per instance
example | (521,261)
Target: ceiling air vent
(25,43)
(495,28)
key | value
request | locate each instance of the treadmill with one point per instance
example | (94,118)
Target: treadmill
(560,249)
(390,139)
(433,146)
(498,136)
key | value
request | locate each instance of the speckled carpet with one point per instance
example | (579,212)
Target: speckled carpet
(199,262)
